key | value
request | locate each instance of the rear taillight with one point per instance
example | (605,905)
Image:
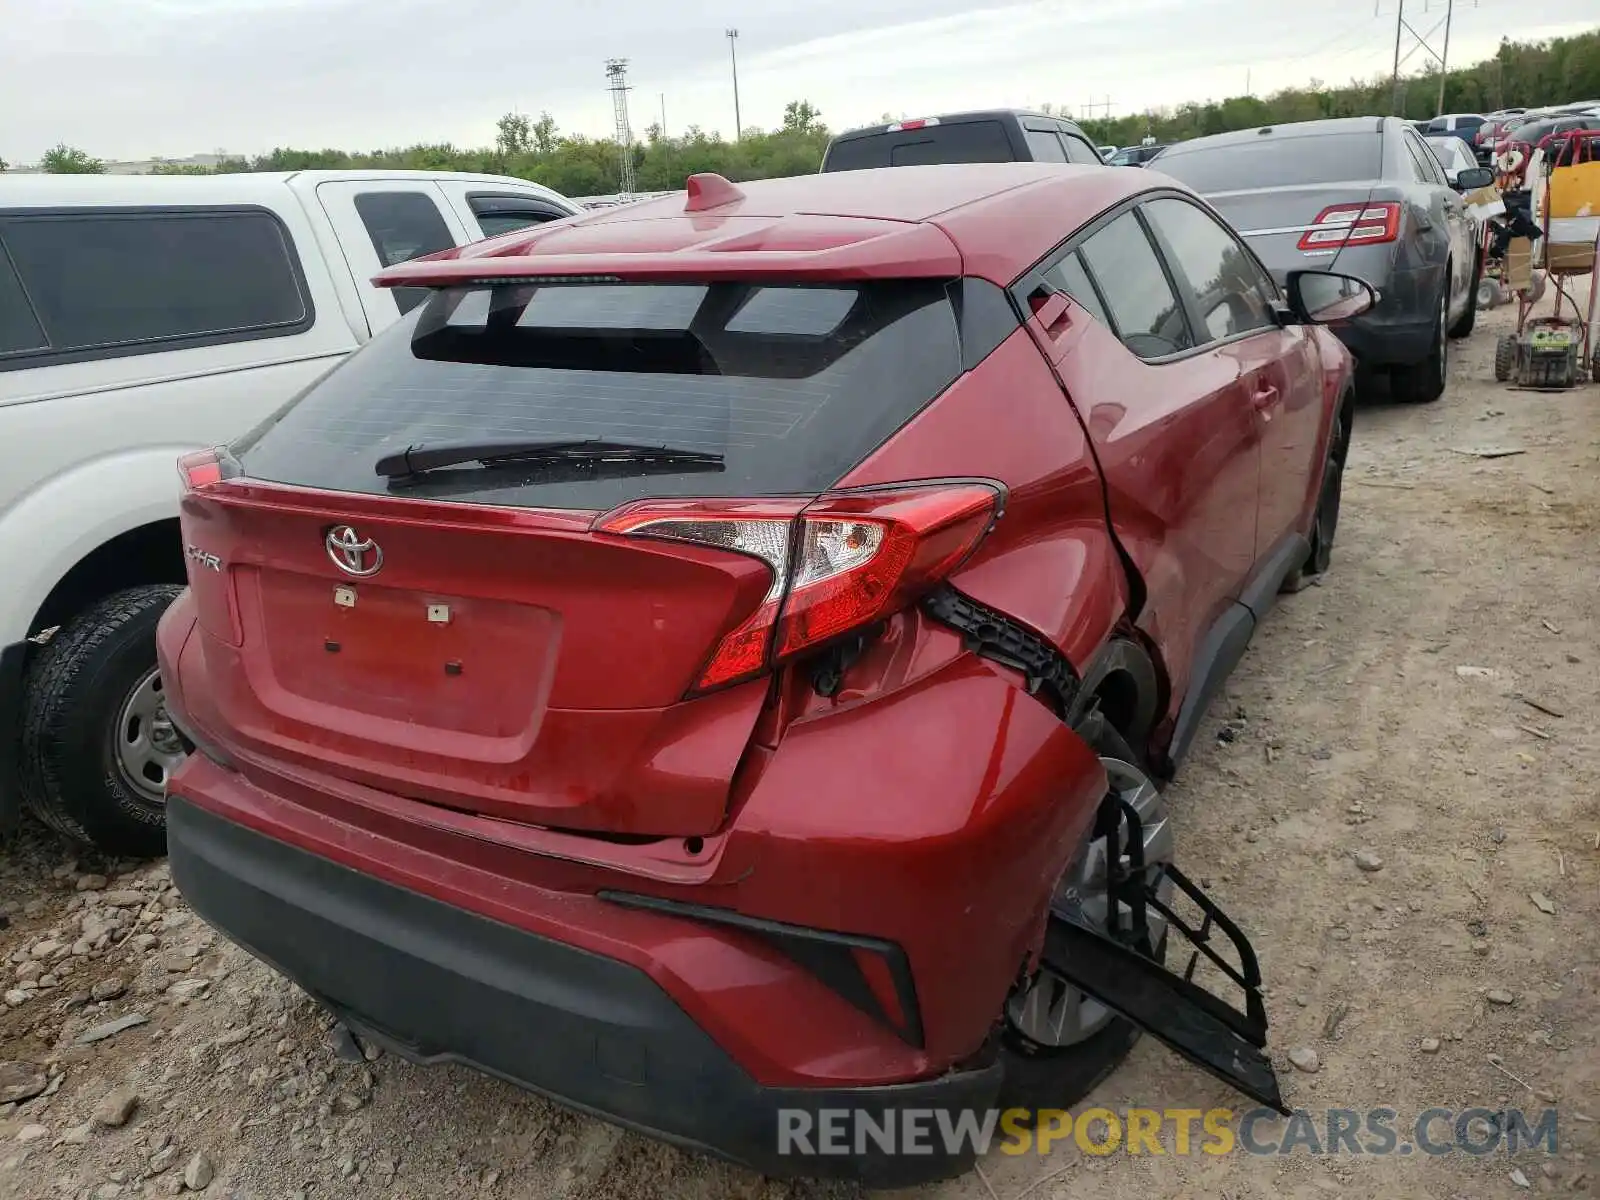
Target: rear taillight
(1341,225)
(919,123)
(199,469)
(838,563)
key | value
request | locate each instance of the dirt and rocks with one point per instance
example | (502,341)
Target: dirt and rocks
(1396,796)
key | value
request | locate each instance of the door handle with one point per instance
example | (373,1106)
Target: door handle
(1052,311)
(1264,397)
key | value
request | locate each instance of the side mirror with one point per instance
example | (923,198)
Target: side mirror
(1473,178)
(1321,297)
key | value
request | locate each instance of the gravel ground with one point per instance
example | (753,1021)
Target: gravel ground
(1395,797)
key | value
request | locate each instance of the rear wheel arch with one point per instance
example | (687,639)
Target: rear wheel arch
(1122,683)
(151,553)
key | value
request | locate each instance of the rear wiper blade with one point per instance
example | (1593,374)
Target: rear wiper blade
(414,460)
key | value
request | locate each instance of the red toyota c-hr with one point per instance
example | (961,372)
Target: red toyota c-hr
(712,661)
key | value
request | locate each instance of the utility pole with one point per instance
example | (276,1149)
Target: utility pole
(1399,25)
(1444,59)
(663,116)
(1423,42)
(733,56)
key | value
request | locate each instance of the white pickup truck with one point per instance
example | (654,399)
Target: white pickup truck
(142,317)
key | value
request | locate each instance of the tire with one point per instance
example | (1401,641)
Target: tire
(1505,358)
(1424,382)
(78,691)
(1325,518)
(1038,1077)
(1469,317)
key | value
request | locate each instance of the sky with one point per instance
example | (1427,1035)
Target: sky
(137,79)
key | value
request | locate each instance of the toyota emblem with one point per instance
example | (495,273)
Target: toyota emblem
(352,553)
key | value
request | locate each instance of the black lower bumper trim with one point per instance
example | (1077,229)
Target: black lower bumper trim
(439,984)
(12,659)
(1169,1007)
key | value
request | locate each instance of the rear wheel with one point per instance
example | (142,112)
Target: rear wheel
(1424,382)
(97,745)
(1325,521)
(1469,318)
(1058,1044)
(1505,358)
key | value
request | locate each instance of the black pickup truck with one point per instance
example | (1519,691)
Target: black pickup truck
(1000,135)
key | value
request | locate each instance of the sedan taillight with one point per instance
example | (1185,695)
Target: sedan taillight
(838,563)
(1341,225)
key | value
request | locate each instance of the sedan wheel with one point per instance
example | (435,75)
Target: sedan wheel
(1425,381)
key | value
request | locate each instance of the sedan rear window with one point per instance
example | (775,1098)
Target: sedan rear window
(1275,161)
(791,385)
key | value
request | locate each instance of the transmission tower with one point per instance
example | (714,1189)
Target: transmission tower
(1423,42)
(617,73)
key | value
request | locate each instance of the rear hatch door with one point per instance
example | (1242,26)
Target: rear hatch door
(460,634)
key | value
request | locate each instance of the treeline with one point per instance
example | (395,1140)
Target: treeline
(1519,74)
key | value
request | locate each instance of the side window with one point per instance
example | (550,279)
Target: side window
(103,284)
(403,226)
(1425,161)
(1141,302)
(499,214)
(1069,276)
(1044,145)
(19,326)
(1228,284)
(1080,151)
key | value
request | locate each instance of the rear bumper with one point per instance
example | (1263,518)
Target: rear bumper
(1375,341)
(12,659)
(437,983)
(1399,331)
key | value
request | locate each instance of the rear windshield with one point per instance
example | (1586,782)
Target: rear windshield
(792,385)
(1276,161)
(966,142)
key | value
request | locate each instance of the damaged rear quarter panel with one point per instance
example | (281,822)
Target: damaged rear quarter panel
(1049,562)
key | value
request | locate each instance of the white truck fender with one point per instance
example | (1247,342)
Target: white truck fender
(55,526)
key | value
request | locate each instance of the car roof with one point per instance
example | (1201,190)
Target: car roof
(957,118)
(991,220)
(1293,129)
(41,189)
